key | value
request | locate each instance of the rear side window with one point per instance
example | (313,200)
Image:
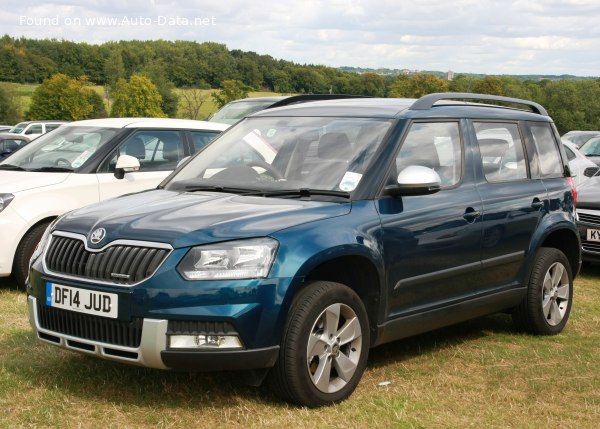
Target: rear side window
(548,156)
(501,149)
(435,145)
(570,154)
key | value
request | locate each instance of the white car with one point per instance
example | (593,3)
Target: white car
(82,163)
(33,129)
(582,168)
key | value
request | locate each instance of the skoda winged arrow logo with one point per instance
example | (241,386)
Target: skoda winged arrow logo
(98,235)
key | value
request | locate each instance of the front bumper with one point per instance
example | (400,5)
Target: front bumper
(152,351)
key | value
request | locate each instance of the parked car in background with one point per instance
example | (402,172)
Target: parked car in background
(580,137)
(376,219)
(35,128)
(238,109)
(234,111)
(5,128)
(591,149)
(588,219)
(81,163)
(10,143)
(582,168)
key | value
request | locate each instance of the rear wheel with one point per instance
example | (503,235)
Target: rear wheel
(324,347)
(547,305)
(24,252)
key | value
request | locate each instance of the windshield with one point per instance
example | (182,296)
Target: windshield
(66,148)
(17,129)
(591,147)
(233,112)
(274,154)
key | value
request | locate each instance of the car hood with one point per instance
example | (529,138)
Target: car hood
(19,181)
(588,195)
(187,219)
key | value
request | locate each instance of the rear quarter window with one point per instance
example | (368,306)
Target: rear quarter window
(547,152)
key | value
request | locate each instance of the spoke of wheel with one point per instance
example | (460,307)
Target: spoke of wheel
(350,331)
(557,274)
(344,367)
(315,346)
(563,292)
(547,306)
(547,282)
(332,319)
(555,314)
(322,375)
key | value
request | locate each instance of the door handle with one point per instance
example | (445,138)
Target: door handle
(537,203)
(471,214)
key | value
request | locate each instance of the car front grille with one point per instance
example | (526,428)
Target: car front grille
(93,328)
(120,263)
(589,217)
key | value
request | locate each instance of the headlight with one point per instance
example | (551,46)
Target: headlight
(5,200)
(243,259)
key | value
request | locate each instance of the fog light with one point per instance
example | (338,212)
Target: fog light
(204,342)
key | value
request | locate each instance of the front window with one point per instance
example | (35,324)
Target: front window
(19,128)
(65,149)
(274,154)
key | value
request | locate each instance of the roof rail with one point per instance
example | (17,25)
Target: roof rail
(296,99)
(427,101)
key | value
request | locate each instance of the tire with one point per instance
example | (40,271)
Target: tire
(24,251)
(547,305)
(324,347)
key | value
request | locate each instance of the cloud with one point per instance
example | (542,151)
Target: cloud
(482,36)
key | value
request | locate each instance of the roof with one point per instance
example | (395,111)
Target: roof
(149,123)
(432,105)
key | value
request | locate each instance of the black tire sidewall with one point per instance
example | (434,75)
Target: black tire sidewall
(544,259)
(24,251)
(307,307)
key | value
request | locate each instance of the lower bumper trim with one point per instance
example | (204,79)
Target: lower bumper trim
(222,360)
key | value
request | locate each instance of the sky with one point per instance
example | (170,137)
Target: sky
(519,37)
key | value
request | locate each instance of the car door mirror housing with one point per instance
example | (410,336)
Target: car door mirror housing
(126,164)
(415,180)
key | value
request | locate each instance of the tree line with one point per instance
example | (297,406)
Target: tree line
(128,67)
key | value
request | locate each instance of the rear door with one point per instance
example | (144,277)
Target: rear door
(514,200)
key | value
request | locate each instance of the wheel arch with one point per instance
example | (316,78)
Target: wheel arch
(356,271)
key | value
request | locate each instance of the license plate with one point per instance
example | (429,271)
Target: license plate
(82,300)
(593,234)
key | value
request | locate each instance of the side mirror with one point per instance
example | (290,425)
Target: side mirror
(416,180)
(182,161)
(126,164)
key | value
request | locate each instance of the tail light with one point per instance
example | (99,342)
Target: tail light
(573,190)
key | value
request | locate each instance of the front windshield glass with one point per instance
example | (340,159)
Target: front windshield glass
(18,128)
(66,148)
(274,154)
(233,112)
(591,147)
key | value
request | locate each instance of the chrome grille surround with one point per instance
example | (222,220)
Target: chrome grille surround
(120,262)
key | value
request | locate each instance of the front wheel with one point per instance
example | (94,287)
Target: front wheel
(24,251)
(547,305)
(324,347)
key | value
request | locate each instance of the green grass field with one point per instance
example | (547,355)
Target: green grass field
(480,374)
(24,92)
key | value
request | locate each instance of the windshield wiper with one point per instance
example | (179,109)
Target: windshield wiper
(306,193)
(300,193)
(225,189)
(11,167)
(58,169)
